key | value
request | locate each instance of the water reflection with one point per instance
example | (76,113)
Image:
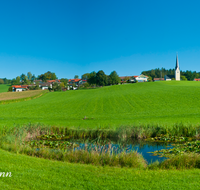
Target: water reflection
(141,147)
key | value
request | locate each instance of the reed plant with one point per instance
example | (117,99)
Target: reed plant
(184,161)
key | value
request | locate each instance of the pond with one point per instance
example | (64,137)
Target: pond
(142,147)
(112,146)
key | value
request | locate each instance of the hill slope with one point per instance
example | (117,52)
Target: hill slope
(163,103)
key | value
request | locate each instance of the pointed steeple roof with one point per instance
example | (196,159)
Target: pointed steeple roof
(177,64)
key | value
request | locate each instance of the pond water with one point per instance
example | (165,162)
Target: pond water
(141,147)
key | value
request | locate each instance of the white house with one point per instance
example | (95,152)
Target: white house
(141,78)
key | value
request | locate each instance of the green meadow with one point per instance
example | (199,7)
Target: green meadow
(142,104)
(35,173)
(4,87)
(158,103)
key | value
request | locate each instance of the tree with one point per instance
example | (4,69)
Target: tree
(92,78)
(25,80)
(1,81)
(85,85)
(33,78)
(62,84)
(53,76)
(18,79)
(64,80)
(56,87)
(22,77)
(114,78)
(149,79)
(101,78)
(42,77)
(76,77)
(10,89)
(29,75)
(47,76)
(85,76)
(13,82)
(183,78)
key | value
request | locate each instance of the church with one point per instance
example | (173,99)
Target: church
(177,73)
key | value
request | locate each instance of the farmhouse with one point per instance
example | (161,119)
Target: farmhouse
(141,78)
(177,72)
(158,79)
(125,79)
(197,79)
(45,86)
(19,88)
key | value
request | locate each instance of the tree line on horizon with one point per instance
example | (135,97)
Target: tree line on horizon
(30,78)
(101,79)
(160,73)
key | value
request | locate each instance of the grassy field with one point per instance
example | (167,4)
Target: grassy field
(4,87)
(35,173)
(162,103)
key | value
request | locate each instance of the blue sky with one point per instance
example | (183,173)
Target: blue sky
(75,37)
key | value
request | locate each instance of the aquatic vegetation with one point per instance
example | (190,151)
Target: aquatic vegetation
(188,147)
(169,138)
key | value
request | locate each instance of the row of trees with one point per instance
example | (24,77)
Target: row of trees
(29,78)
(101,79)
(160,73)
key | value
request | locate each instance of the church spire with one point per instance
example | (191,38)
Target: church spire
(177,69)
(177,64)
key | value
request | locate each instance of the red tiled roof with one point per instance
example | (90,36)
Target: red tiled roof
(53,80)
(20,86)
(74,80)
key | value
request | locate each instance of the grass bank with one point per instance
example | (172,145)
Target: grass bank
(34,173)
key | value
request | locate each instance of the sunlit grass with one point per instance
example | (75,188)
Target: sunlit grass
(162,103)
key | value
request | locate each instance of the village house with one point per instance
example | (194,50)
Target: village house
(45,86)
(19,88)
(197,79)
(158,79)
(139,78)
(74,83)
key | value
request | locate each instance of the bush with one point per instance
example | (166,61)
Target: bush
(10,89)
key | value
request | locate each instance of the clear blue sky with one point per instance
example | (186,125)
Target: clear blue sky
(74,37)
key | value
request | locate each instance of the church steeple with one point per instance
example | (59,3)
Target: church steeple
(177,64)
(177,69)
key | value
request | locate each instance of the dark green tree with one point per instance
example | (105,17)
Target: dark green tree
(101,78)
(22,77)
(10,89)
(92,78)
(33,78)
(114,78)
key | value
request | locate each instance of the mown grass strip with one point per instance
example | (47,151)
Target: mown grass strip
(23,99)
